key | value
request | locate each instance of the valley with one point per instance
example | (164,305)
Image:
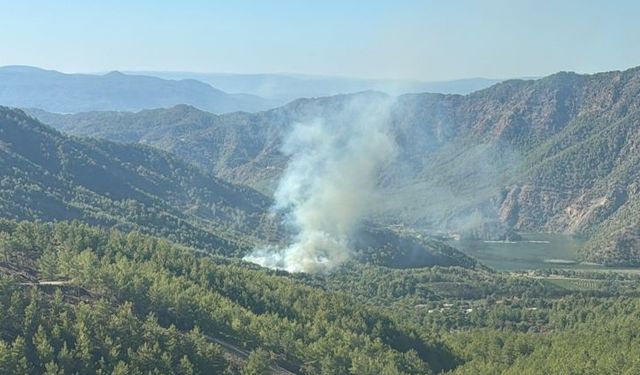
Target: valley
(319,187)
(469,244)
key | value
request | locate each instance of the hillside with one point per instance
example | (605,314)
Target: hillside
(236,147)
(555,154)
(76,298)
(49,176)
(155,299)
(240,147)
(22,86)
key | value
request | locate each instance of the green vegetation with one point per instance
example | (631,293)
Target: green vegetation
(131,303)
(55,334)
(309,329)
(48,176)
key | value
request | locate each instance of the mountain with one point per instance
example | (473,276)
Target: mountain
(49,176)
(555,154)
(287,87)
(23,86)
(232,146)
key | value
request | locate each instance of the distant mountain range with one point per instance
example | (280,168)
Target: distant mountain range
(31,87)
(23,86)
(284,88)
(557,154)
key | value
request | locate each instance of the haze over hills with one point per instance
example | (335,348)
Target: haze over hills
(24,86)
(555,154)
(287,87)
(31,87)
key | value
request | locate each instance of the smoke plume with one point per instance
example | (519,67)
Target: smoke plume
(329,185)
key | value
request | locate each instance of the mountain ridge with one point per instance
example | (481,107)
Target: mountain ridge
(25,86)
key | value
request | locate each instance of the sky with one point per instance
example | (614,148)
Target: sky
(400,39)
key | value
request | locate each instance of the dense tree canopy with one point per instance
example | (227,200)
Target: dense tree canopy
(131,303)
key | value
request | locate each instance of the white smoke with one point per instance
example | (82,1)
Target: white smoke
(329,185)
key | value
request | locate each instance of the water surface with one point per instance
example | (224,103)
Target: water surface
(533,251)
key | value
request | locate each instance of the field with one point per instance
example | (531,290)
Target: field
(575,284)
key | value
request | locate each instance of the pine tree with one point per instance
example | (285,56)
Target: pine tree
(185,367)
(52,368)
(258,363)
(48,265)
(19,354)
(44,350)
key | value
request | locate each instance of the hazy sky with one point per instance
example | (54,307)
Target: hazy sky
(429,40)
